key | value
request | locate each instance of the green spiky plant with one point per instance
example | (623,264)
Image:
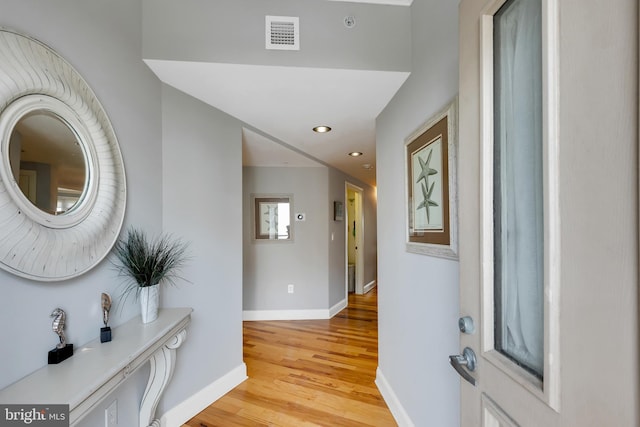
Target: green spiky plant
(143,262)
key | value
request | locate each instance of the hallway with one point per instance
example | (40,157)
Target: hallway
(307,373)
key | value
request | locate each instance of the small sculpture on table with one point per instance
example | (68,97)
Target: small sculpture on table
(63,350)
(105,333)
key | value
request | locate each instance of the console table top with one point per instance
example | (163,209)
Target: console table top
(97,367)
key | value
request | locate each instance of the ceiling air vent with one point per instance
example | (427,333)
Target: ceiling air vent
(282,32)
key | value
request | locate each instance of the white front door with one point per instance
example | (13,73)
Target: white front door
(548,213)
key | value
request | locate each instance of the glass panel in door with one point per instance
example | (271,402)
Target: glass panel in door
(518,185)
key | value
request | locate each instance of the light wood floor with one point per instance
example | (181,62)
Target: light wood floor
(307,373)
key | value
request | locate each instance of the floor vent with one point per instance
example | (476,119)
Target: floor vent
(282,32)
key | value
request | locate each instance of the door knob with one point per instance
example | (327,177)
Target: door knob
(466,359)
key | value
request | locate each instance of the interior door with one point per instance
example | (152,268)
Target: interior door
(531,344)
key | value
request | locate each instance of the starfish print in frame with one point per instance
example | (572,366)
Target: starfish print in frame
(427,199)
(425,169)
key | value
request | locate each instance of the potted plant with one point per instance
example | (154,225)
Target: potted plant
(146,264)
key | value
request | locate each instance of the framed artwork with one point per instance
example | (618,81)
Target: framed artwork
(338,211)
(272,217)
(431,192)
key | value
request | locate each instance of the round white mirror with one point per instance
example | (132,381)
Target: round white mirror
(48,162)
(62,181)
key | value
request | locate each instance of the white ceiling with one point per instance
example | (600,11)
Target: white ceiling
(258,150)
(285,103)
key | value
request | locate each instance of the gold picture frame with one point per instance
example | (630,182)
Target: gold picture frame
(431,192)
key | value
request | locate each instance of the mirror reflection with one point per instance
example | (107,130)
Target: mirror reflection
(48,162)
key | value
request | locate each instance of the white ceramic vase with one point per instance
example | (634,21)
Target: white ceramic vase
(149,301)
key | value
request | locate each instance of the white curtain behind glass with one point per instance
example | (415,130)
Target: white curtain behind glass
(518,191)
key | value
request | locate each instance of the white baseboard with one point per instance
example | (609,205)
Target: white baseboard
(320,314)
(369,286)
(192,406)
(392,401)
(337,308)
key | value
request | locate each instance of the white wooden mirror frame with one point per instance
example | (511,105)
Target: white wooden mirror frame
(33,243)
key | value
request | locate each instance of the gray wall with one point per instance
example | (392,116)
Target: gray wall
(370,209)
(314,262)
(232,31)
(102,40)
(202,202)
(418,295)
(337,246)
(270,266)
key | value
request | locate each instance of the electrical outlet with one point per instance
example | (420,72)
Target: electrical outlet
(290,289)
(111,415)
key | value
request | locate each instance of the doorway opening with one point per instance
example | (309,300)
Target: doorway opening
(354,229)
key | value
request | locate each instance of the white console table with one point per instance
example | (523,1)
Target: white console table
(96,369)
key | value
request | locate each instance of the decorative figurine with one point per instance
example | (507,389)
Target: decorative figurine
(63,350)
(105,333)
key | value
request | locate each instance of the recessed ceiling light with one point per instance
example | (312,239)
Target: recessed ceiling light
(367,166)
(321,129)
(355,154)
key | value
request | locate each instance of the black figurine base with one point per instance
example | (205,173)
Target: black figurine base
(57,355)
(105,334)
